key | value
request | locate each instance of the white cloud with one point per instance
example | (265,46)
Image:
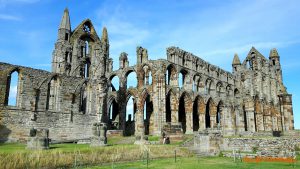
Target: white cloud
(124,33)
(9,17)
(12,95)
(41,65)
(13,91)
(246,48)
(5,2)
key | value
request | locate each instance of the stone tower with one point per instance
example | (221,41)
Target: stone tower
(81,53)
(62,56)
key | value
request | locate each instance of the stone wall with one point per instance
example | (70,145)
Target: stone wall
(212,143)
(65,122)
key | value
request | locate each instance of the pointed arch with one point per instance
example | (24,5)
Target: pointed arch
(113,114)
(83,98)
(182,77)
(53,90)
(12,87)
(185,112)
(114,82)
(210,113)
(147,74)
(146,105)
(229,91)
(171,75)
(219,114)
(197,82)
(219,89)
(171,107)
(196,114)
(131,78)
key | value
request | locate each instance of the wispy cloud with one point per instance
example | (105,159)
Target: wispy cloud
(246,48)
(42,65)
(125,34)
(9,17)
(5,2)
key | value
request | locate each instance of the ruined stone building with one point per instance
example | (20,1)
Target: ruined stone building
(78,92)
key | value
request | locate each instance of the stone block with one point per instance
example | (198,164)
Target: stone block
(39,139)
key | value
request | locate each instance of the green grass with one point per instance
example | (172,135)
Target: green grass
(11,147)
(197,163)
(80,155)
(17,147)
(70,155)
(153,138)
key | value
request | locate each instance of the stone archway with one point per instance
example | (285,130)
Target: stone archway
(185,113)
(171,107)
(196,113)
(210,114)
(113,116)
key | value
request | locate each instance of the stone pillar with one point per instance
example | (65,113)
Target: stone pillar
(213,113)
(250,121)
(226,121)
(122,105)
(201,121)
(274,123)
(159,102)
(201,112)
(240,123)
(213,123)
(139,127)
(260,122)
(174,108)
(287,108)
(189,123)
(249,109)
(268,123)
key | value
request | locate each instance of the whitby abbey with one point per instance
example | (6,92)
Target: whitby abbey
(78,93)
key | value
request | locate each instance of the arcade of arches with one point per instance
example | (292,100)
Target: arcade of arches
(180,94)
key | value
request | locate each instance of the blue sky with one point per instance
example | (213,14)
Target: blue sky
(213,30)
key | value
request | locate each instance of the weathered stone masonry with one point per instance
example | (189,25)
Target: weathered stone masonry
(78,92)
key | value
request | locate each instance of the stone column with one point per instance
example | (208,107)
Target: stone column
(226,121)
(260,122)
(139,127)
(268,123)
(174,108)
(288,114)
(213,123)
(250,121)
(189,123)
(123,104)
(213,112)
(240,123)
(201,112)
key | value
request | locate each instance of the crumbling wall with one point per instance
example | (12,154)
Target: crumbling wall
(64,123)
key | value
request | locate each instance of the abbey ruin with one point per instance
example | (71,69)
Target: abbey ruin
(79,92)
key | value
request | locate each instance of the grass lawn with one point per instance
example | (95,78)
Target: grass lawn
(82,155)
(197,163)
(74,155)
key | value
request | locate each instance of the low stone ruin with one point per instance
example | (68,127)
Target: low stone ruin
(99,135)
(208,142)
(39,139)
(211,143)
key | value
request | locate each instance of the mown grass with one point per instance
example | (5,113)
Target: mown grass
(73,155)
(197,163)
